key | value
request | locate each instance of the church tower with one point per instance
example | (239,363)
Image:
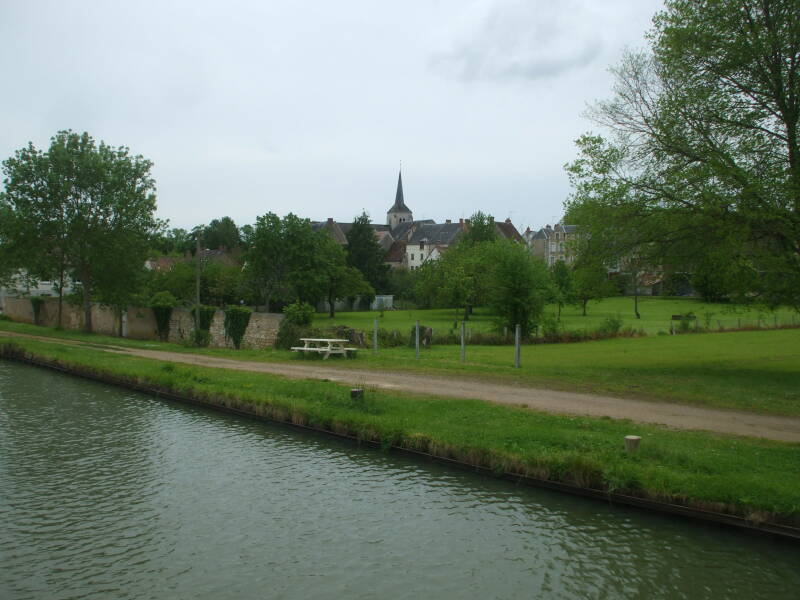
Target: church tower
(399,213)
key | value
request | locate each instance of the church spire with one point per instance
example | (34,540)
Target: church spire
(399,213)
(399,202)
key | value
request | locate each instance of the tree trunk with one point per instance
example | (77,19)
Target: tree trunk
(636,303)
(585,302)
(559,311)
(331,306)
(467,311)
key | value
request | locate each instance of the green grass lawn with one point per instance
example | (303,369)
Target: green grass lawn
(655,312)
(757,371)
(730,474)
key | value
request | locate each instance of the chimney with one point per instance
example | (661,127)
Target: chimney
(461,221)
(508,221)
(448,221)
(330,220)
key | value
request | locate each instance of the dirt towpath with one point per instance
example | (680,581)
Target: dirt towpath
(672,415)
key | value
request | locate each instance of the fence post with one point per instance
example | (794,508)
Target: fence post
(375,336)
(463,341)
(516,347)
(417,338)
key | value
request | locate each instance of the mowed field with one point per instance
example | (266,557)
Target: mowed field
(656,314)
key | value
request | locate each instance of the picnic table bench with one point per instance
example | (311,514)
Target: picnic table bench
(324,346)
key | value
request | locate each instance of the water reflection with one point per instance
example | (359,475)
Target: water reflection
(106,493)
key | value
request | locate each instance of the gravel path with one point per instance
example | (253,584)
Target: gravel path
(678,416)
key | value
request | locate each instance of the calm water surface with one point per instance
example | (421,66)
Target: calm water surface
(109,494)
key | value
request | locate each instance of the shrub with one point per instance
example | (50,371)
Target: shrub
(289,334)
(550,329)
(390,338)
(162,304)
(425,336)
(201,338)
(36,303)
(610,327)
(299,313)
(203,315)
(686,322)
(236,320)
(5,318)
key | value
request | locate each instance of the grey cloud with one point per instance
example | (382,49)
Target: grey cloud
(513,39)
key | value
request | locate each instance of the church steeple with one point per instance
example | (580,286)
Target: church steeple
(399,213)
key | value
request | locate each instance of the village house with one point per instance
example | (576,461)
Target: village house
(409,243)
(552,244)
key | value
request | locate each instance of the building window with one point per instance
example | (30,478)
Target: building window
(412,257)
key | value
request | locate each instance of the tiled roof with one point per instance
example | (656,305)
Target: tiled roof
(405,230)
(333,228)
(436,233)
(397,252)
(508,231)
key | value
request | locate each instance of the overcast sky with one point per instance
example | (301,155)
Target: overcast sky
(309,107)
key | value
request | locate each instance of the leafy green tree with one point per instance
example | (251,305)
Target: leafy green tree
(519,285)
(82,207)
(401,283)
(702,153)
(481,228)
(561,278)
(175,241)
(222,233)
(337,278)
(590,280)
(465,273)
(280,259)
(428,281)
(179,281)
(365,253)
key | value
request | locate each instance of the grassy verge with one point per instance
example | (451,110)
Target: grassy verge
(754,371)
(656,314)
(755,479)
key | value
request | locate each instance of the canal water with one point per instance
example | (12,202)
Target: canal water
(105,493)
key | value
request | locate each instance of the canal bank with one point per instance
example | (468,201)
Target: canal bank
(689,474)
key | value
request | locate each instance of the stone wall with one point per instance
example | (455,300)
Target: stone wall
(139,323)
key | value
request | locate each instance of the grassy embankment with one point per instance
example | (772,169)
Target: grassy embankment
(757,371)
(752,478)
(655,312)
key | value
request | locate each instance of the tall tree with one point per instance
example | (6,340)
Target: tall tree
(519,285)
(590,280)
(365,253)
(336,278)
(80,206)
(482,228)
(561,278)
(281,255)
(702,153)
(222,233)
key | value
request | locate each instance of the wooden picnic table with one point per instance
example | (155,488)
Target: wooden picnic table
(324,346)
